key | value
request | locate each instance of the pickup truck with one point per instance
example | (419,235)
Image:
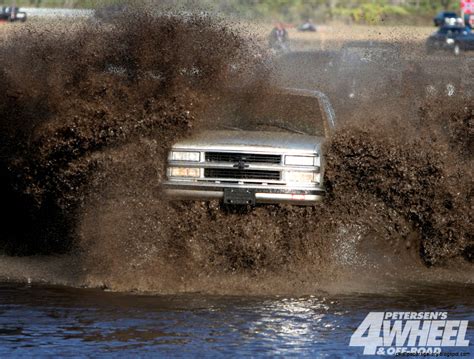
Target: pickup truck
(451,38)
(259,149)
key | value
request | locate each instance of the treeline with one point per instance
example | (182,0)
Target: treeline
(358,11)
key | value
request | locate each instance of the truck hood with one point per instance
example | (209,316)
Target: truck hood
(255,141)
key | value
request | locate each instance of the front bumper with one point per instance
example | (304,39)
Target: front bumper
(263,194)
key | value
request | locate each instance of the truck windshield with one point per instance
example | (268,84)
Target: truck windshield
(272,112)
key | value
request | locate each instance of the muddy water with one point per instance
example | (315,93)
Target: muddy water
(56,321)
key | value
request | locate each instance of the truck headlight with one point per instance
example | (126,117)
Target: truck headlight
(298,176)
(450,41)
(184,172)
(184,156)
(299,160)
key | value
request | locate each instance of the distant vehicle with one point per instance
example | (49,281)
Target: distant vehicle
(441,17)
(308,26)
(451,38)
(12,14)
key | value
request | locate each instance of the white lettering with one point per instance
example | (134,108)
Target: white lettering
(435,332)
(372,324)
(422,333)
(461,340)
(398,332)
(449,332)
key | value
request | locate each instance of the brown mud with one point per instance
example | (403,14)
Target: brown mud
(87,117)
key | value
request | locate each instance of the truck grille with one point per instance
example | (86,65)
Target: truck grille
(241,174)
(245,157)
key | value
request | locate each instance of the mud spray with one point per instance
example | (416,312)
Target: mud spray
(88,114)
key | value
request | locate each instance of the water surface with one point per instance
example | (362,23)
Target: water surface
(56,321)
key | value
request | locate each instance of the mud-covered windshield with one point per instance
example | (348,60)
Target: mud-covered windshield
(274,112)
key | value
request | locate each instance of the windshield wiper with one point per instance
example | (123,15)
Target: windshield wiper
(283,127)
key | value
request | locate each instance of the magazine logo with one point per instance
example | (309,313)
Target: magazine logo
(416,333)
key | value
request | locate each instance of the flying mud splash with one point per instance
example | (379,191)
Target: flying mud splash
(87,116)
(68,94)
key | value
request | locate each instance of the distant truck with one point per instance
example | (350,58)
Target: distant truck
(451,38)
(442,17)
(12,14)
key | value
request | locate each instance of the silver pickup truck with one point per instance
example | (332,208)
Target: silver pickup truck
(259,149)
